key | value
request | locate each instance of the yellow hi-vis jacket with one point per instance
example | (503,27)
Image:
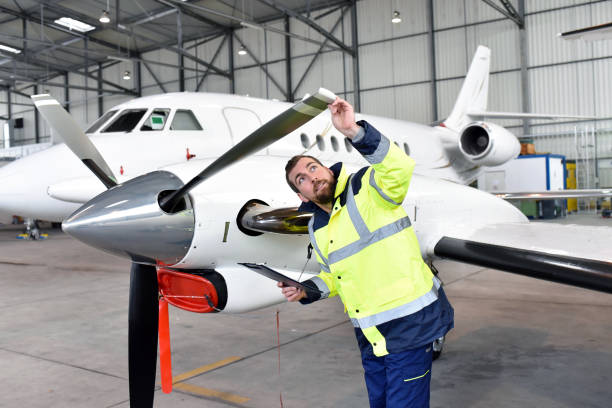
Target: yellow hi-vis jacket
(366,247)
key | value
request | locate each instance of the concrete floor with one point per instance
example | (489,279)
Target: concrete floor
(517,342)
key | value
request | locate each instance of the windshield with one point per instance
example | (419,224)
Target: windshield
(101,120)
(125,121)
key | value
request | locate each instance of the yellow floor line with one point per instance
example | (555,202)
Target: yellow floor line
(203,369)
(226,396)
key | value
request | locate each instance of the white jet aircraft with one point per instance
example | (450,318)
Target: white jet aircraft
(186,229)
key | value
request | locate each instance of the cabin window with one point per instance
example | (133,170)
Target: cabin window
(101,120)
(348,145)
(185,120)
(334,143)
(126,121)
(320,142)
(305,140)
(156,120)
(407,149)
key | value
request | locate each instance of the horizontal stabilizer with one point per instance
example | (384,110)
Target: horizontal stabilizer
(539,250)
(480,115)
(593,33)
(554,194)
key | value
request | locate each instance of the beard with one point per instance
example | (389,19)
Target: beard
(325,194)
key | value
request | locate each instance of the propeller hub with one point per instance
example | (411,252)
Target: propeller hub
(126,220)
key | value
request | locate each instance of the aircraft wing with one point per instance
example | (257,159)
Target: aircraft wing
(539,250)
(553,194)
(479,115)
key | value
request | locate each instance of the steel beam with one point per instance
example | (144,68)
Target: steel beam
(262,67)
(66,93)
(253,24)
(504,12)
(525,100)
(36,119)
(356,85)
(181,60)
(44,64)
(289,87)
(310,23)
(50,24)
(312,61)
(157,81)
(212,60)
(512,11)
(138,77)
(230,51)
(100,98)
(432,56)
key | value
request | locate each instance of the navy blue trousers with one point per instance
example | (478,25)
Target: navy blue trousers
(399,380)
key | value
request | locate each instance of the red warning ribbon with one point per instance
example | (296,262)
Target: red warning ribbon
(165,357)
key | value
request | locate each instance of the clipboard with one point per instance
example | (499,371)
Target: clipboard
(277,276)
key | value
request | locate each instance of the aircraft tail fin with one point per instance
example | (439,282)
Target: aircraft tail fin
(474,92)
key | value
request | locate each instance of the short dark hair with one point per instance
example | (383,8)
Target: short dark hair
(291,164)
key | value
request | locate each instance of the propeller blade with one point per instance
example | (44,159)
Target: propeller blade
(142,335)
(270,132)
(74,137)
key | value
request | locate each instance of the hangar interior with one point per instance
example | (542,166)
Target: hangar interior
(517,341)
(410,70)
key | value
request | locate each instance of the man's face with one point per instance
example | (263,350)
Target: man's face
(315,182)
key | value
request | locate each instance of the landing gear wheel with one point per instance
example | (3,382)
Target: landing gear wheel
(437,346)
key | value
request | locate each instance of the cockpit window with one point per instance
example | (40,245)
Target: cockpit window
(156,120)
(185,120)
(126,121)
(101,120)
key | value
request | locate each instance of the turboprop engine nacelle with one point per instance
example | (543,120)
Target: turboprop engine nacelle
(488,144)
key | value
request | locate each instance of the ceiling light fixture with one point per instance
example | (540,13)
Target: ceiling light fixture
(73,24)
(242,51)
(127,76)
(9,49)
(396,17)
(105,18)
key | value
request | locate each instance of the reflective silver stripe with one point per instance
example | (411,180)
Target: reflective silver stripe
(321,286)
(378,235)
(380,153)
(313,241)
(400,311)
(351,206)
(324,267)
(379,190)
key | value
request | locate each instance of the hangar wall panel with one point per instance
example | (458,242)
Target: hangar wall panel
(539,5)
(451,58)
(449,13)
(447,94)
(502,37)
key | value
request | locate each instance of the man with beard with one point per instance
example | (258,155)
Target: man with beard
(369,255)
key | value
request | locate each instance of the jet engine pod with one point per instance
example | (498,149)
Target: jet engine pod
(488,144)
(126,220)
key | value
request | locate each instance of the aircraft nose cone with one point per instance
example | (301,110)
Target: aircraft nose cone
(127,221)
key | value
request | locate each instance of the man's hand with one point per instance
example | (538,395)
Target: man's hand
(343,117)
(292,294)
